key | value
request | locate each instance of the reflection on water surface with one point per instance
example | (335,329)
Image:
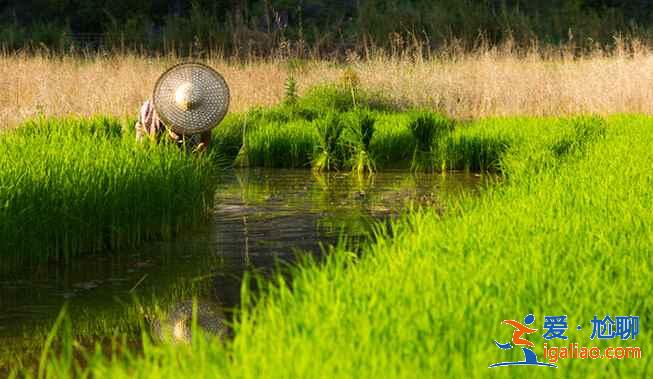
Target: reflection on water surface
(261,217)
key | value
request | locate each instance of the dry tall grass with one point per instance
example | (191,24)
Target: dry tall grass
(486,83)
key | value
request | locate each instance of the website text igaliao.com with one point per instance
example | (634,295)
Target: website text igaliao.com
(573,351)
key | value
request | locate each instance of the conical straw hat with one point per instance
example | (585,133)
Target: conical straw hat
(191,98)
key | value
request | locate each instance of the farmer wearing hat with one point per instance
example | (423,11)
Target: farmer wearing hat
(189,100)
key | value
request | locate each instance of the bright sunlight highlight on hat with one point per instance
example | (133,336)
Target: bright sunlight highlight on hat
(191,98)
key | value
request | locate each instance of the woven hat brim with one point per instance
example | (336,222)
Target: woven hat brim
(207,114)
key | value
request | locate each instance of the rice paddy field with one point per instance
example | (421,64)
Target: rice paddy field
(89,186)
(564,228)
(79,185)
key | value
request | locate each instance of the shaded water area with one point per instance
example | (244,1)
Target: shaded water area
(260,218)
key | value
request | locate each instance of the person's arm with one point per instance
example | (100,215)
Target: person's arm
(141,127)
(148,124)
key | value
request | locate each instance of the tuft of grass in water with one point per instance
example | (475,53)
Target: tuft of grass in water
(262,136)
(429,130)
(361,128)
(329,130)
(70,186)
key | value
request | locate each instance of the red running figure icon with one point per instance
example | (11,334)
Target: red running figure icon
(520,330)
(530,359)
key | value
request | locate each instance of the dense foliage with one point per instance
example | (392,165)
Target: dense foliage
(261,26)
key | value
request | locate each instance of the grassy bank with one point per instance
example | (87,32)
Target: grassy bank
(77,185)
(569,231)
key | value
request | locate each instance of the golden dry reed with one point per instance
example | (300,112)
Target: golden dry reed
(489,82)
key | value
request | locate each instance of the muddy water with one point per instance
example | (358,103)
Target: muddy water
(261,218)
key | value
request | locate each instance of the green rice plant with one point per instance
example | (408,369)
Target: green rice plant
(565,139)
(289,145)
(268,124)
(227,138)
(476,151)
(280,113)
(328,151)
(231,140)
(422,140)
(351,83)
(429,130)
(290,95)
(476,146)
(481,145)
(582,130)
(361,131)
(70,186)
(321,100)
(392,144)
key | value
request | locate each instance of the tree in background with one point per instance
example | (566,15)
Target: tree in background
(259,26)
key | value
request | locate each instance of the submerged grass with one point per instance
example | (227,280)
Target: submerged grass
(69,186)
(569,231)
